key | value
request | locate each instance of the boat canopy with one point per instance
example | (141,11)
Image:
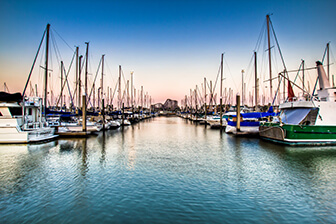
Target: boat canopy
(10,97)
(294,116)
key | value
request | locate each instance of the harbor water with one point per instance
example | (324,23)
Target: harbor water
(166,170)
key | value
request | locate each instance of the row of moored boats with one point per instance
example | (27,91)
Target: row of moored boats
(22,120)
(305,121)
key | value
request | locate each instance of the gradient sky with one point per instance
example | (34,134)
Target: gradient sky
(170,45)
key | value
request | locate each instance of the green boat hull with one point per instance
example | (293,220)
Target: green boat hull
(298,134)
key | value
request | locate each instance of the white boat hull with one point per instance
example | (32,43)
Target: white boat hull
(13,135)
(253,130)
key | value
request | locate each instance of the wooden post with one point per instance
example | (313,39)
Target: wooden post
(103,113)
(238,113)
(84,113)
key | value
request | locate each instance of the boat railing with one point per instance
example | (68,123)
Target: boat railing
(32,125)
(33,101)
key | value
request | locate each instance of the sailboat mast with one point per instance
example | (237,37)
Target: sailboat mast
(328,65)
(86,67)
(255,79)
(221,93)
(303,76)
(76,75)
(36,92)
(142,105)
(205,104)
(269,55)
(211,94)
(102,80)
(132,101)
(119,88)
(80,81)
(46,71)
(196,102)
(243,95)
(61,84)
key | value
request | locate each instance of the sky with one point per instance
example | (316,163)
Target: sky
(171,46)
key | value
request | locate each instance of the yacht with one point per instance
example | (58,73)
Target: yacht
(21,120)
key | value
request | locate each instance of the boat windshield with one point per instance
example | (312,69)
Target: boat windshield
(294,116)
(15,111)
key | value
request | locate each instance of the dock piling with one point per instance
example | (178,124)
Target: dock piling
(238,113)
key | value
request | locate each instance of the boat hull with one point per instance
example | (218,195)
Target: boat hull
(247,130)
(298,134)
(13,135)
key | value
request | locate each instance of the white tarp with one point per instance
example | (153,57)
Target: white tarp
(294,116)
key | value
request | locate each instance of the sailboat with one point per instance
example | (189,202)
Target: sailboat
(305,122)
(249,122)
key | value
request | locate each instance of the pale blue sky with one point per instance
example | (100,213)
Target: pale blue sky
(170,45)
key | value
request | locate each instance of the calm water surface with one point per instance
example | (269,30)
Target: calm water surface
(166,170)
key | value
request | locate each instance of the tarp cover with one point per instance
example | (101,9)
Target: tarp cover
(255,115)
(294,116)
(244,123)
(10,97)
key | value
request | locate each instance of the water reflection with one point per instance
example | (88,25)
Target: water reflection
(167,169)
(19,163)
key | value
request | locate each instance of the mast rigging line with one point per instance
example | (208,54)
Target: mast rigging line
(115,89)
(66,81)
(298,72)
(62,39)
(200,98)
(228,68)
(325,52)
(32,68)
(262,32)
(89,98)
(57,52)
(109,69)
(213,90)
(81,69)
(276,40)
(247,72)
(282,75)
